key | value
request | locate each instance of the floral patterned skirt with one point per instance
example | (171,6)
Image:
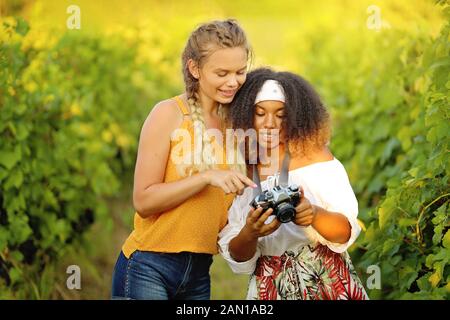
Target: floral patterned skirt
(311,273)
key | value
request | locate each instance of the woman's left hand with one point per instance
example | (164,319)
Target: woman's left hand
(306,212)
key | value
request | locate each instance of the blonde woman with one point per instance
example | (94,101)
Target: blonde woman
(181,204)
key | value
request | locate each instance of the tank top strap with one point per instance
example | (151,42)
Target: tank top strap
(181,105)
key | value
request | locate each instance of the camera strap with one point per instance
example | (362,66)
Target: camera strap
(284,174)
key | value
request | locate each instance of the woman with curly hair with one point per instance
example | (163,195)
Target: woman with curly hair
(305,258)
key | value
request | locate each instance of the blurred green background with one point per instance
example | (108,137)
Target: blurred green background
(72,102)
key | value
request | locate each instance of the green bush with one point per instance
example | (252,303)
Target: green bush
(71,108)
(389,96)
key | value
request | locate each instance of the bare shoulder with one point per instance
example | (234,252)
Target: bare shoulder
(166,109)
(322,154)
(165,114)
(313,156)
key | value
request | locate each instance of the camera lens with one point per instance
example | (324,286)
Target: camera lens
(285,212)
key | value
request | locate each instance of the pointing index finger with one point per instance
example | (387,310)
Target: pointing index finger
(247,180)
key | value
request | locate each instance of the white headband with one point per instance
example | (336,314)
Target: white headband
(271,90)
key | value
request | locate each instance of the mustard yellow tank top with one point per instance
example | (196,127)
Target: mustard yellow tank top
(192,226)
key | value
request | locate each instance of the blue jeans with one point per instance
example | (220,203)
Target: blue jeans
(162,276)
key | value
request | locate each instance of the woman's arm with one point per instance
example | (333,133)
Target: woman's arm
(236,221)
(243,246)
(150,194)
(333,226)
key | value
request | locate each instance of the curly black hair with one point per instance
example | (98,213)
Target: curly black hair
(306,120)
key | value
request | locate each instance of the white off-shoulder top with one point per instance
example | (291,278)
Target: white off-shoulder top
(325,184)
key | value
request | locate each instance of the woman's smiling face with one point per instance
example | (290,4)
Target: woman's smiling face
(222,74)
(268,119)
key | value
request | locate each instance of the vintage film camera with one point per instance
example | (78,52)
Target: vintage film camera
(282,200)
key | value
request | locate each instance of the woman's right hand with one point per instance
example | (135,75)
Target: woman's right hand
(243,246)
(256,226)
(229,180)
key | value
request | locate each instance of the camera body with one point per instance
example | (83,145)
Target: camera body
(282,200)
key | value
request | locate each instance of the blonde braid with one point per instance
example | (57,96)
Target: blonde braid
(203,41)
(204,145)
(205,150)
